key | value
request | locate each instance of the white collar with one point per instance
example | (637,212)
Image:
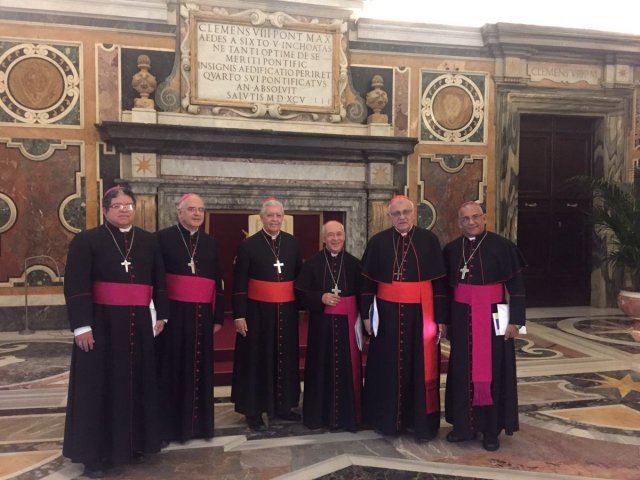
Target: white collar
(126,229)
(273,237)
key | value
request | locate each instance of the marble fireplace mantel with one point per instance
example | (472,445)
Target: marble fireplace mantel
(129,137)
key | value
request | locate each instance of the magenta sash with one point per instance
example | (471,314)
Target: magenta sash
(480,298)
(121,294)
(348,307)
(184,288)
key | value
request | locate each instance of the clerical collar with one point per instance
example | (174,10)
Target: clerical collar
(405,233)
(273,237)
(472,239)
(334,255)
(115,227)
(192,233)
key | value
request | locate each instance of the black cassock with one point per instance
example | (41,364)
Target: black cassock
(496,261)
(394,387)
(330,398)
(185,348)
(265,362)
(112,408)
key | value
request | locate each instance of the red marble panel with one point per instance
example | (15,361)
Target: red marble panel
(37,188)
(401,102)
(108,84)
(447,191)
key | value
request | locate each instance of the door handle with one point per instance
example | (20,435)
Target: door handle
(532,205)
(572,205)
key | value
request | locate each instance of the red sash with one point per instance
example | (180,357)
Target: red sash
(348,306)
(122,294)
(480,298)
(185,288)
(271,292)
(422,293)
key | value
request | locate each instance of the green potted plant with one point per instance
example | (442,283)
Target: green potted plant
(616,216)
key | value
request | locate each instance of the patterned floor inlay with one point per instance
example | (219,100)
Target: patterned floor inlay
(579,393)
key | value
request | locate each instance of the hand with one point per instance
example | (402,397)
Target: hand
(367,326)
(241,326)
(216,328)
(85,341)
(158,327)
(511,332)
(330,299)
(442,330)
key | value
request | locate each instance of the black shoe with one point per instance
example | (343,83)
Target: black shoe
(93,470)
(164,444)
(290,416)
(453,437)
(491,443)
(256,423)
(427,438)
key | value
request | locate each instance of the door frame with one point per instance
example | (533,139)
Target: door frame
(613,111)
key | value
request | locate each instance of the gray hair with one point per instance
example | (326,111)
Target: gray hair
(272,202)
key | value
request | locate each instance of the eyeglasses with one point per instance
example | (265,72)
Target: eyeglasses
(123,206)
(475,218)
(195,209)
(398,213)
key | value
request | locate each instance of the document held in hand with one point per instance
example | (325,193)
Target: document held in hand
(501,320)
(359,332)
(373,315)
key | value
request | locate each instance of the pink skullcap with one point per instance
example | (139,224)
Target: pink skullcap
(270,199)
(399,197)
(185,196)
(117,187)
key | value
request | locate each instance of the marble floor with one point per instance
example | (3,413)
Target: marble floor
(579,390)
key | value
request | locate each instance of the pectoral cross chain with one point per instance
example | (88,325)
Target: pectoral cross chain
(125,264)
(278,264)
(464,270)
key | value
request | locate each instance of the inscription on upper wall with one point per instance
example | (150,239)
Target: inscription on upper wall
(240,64)
(564,73)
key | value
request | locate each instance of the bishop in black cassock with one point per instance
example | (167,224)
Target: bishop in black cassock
(112,273)
(328,285)
(185,349)
(403,267)
(265,312)
(481,393)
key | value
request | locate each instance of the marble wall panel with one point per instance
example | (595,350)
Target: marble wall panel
(453,107)
(37,188)
(447,181)
(108,61)
(40,83)
(401,102)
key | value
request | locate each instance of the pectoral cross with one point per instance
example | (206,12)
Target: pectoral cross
(125,264)
(336,290)
(398,275)
(192,264)
(278,264)
(464,270)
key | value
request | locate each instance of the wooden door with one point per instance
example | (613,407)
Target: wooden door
(553,230)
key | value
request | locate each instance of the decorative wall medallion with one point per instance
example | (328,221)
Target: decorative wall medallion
(8,213)
(39,83)
(453,107)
